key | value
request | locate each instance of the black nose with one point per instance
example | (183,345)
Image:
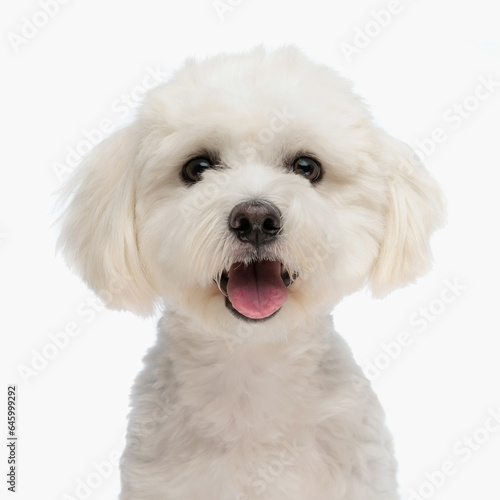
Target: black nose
(255,221)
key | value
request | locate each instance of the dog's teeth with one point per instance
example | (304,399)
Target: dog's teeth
(285,276)
(221,282)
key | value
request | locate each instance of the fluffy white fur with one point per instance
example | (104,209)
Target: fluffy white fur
(226,409)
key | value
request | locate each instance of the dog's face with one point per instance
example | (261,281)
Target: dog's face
(250,187)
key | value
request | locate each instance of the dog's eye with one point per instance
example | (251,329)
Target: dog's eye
(193,169)
(308,168)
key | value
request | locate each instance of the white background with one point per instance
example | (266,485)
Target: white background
(72,74)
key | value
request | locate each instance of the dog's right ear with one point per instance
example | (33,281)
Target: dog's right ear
(98,235)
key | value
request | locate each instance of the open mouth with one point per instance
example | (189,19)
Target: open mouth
(256,291)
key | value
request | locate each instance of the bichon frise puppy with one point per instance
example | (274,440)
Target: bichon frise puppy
(249,196)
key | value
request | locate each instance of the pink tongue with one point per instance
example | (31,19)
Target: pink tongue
(257,290)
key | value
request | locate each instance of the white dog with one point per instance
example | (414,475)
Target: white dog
(250,195)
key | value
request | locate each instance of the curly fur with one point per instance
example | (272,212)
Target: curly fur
(226,409)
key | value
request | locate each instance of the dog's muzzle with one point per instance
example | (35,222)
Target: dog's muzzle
(255,290)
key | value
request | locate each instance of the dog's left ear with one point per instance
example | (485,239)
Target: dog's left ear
(98,236)
(415,209)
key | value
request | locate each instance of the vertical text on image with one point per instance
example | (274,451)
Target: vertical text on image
(12,458)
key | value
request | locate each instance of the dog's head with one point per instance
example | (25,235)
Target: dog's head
(249,187)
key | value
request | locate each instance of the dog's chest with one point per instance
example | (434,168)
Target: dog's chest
(274,421)
(251,413)
(250,393)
